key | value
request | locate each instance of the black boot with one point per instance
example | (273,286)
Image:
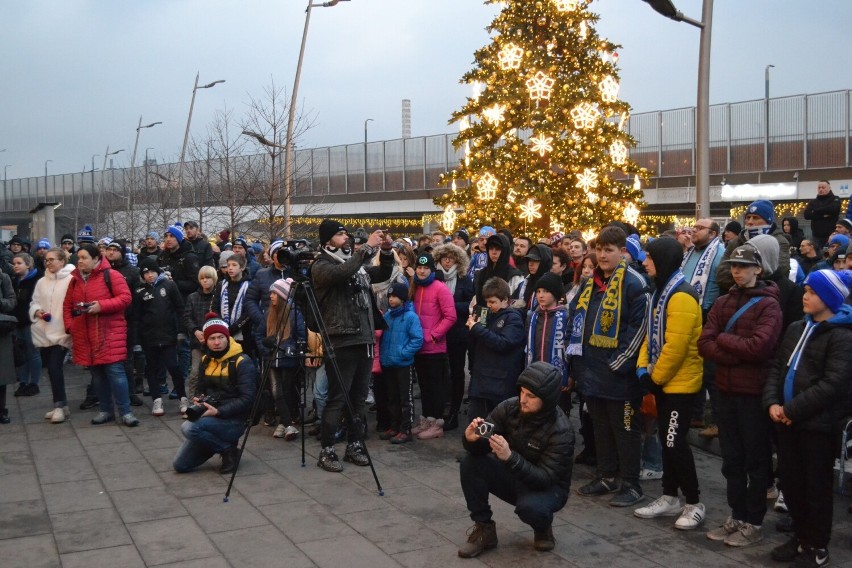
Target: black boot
(229,460)
(451,420)
(4,416)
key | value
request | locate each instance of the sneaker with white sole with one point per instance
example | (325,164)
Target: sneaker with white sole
(290,432)
(184,404)
(747,535)
(650,474)
(691,518)
(279,431)
(664,506)
(722,532)
(157,409)
(421,424)
(60,415)
(780,504)
(435,430)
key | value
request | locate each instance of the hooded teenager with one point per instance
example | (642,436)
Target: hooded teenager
(498,250)
(539,262)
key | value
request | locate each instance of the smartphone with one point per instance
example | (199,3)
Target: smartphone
(485,430)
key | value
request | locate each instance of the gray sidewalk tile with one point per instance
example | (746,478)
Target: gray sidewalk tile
(347,551)
(266,489)
(306,521)
(160,459)
(19,487)
(45,430)
(394,531)
(75,496)
(261,547)
(74,468)
(23,518)
(136,506)
(61,448)
(96,436)
(344,496)
(425,503)
(129,475)
(214,515)
(206,562)
(170,540)
(13,442)
(16,462)
(124,556)
(204,481)
(120,452)
(29,552)
(153,436)
(445,555)
(87,530)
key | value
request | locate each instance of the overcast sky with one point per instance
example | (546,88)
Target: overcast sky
(76,74)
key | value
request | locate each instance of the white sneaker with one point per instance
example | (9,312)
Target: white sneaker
(435,429)
(780,504)
(290,433)
(59,415)
(371,400)
(184,404)
(649,474)
(691,518)
(663,506)
(49,414)
(157,410)
(279,431)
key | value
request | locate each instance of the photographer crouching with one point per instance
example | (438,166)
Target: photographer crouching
(221,405)
(342,280)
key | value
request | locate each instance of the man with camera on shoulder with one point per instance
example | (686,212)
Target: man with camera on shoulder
(523,453)
(222,403)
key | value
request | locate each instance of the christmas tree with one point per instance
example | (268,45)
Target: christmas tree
(545,147)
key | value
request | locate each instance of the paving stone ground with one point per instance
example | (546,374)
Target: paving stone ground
(74,494)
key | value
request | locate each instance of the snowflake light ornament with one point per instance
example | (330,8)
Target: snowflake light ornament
(448,219)
(486,187)
(618,153)
(587,180)
(566,5)
(530,211)
(585,115)
(540,86)
(609,89)
(510,57)
(555,226)
(631,213)
(541,144)
(494,114)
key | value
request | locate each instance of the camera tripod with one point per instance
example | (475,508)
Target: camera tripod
(302,296)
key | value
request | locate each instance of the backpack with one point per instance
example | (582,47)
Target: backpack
(265,404)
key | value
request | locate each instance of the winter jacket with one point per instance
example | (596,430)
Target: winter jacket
(157,309)
(234,395)
(501,268)
(197,306)
(340,295)
(543,443)
(821,385)
(250,319)
(437,311)
(98,339)
(789,298)
(822,211)
(611,373)
(403,338)
(498,348)
(257,296)
(202,250)
(546,341)
(723,273)
(796,234)
(7,306)
(741,354)
(24,290)
(182,265)
(679,368)
(462,296)
(287,355)
(49,296)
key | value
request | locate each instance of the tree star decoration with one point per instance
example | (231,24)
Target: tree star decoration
(487,187)
(631,213)
(587,180)
(448,219)
(566,5)
(609,89)
(530,211)
(510,57)
(542,144)
(585,115)
(494,114)
(540,86)
(618,153)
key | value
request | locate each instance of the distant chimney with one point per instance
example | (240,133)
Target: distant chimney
(406,118)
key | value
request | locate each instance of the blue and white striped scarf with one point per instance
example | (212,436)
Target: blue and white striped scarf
(657,318)
(238,303)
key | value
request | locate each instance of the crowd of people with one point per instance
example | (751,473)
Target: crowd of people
(741,331)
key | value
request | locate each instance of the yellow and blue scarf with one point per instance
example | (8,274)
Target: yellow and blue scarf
(607,319)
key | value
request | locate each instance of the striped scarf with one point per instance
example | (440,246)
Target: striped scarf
(608,318)
(554,351)
(657,318)
(238,303)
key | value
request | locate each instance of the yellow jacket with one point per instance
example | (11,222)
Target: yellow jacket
(679,367)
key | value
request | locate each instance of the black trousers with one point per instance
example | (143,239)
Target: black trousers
(399,385)
(285,392)
(433,374)
(380,395)
(159,359)
(744,438)
(807,471)
(674,413)
(457,354)
(618,438)
(482,476)
(350,377)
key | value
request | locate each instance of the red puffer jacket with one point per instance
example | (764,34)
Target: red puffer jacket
(436,308)
(742,355)
(99,339)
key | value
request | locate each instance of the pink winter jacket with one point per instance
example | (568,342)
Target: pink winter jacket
(436,308)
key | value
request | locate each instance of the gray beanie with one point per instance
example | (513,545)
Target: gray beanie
(769,250)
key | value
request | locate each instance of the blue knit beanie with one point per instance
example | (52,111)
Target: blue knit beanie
(764,209)
(176,231)
(634,247)
(841,240)
(86,234)
(831,287)
(43,244)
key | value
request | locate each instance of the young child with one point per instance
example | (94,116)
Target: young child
(198,304)
(497,344)
(230,303)
(740,336)
(805,395)
(156,305)
(399,343)
(547,329)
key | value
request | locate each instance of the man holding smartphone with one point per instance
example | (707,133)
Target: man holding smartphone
(525,459)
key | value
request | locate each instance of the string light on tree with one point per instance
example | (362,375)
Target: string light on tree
(637,183)
(512,195)
(585,115)
(609,89)
(487,187)
(566,5)
(494,114)
(589,234)
(540,86)
(555,226)
(541,144)
(510,57)
(584,30)
(530,211)
(592,197)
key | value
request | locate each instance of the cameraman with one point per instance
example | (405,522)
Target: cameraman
(342,280)
(227,399)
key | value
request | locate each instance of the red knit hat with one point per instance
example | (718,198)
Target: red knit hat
(214,324)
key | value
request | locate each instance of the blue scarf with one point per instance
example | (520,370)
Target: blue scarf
(752,232)
(238,303)
(425,281)
(657,317)
(554,351)
(399,310)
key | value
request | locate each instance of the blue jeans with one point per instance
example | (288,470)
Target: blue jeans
(652,451)
(484,475)
(320,387)
(30,371)
(209,435)
(110,381)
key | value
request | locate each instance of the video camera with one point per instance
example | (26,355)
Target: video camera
(296,253)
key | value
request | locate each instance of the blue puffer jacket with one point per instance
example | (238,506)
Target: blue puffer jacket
(403,338)
(498,347)
(606,373)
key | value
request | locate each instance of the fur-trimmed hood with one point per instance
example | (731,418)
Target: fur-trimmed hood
(454,251)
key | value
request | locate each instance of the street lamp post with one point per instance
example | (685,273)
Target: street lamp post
(365,153)
(702,122)
(766,118)
(5,194)
(129,212)
(45,181)
(186,136)
(288,152)
(107,154)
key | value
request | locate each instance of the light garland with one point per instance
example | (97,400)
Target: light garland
(783,208)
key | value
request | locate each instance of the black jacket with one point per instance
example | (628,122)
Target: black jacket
(821,387)
(203,251)
(822,211)
(183,266)
(156,311)
(198,305)
(498,347)
(542,444)
(234,395)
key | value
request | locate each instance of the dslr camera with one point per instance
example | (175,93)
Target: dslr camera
(80,308)
(196,410)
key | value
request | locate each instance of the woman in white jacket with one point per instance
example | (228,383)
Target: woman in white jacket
(48,327)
